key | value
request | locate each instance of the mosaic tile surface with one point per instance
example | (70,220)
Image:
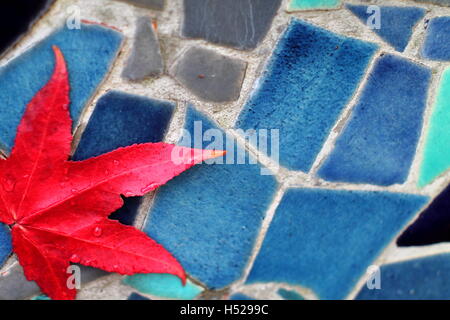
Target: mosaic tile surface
(398,280)
(379,141)
(361,177)
(328,233)
(210,76)
(310,78)
(396,25)
(89,54)
(145,59)
(433,224)
(436,46)
(202,221)
(298,5)
(120,120)
(240,24)
(436,157)
(163,285)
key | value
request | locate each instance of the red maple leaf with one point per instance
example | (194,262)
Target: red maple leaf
(58,209)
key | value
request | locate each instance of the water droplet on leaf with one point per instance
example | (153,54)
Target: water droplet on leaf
(98,231)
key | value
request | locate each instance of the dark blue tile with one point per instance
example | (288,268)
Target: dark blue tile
(5,243)
(240,296)
(240,24)
(325,239)
(310,78)
(289,294)
(89,53)
(396,23)
(437,40)
(135,296)
(209,216)
(433,224)
(379,141)
(16,17)
(418,279)
(120,120)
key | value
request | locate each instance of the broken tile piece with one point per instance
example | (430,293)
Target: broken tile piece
(378,143)
(432,226)
(240,296)
(240,24)
(418,279)
(5,243)
(16,18)
(209,75)
(396,23)
(310,78)
(289,294)
(163,285)
(145,59)
(326,239)
(136,296)
(149,4)
(199,216)
(300,5)
(119,120)
(436,157)
(437,40)
(89,53)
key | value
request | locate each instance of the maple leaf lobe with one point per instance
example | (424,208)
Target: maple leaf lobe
(58,209)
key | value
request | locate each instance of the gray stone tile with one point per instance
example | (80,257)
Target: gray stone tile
(241,24)
(209,75)
(14,285)
(150,4)
(145,59)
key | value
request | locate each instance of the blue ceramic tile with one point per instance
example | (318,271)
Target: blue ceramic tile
(433,224)
(136,296)
(209,216)
(5,243)
(437,40)
(289,294)
(120,120)
(325,239)
(240,296)
(163,285)
(310,78)
(379,141)
(240,24)
(396,23)
(418,279)
(89,53)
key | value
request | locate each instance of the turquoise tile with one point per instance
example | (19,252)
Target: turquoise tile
(89,52)
(417,279)
(163,285)
(378,143)
(310,78)
(396,23)
(325,239)
(209,216)
(300,5)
